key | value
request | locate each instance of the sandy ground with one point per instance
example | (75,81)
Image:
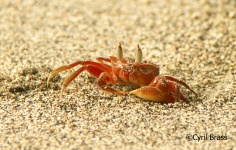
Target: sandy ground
(194,41)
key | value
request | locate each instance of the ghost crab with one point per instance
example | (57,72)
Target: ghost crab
(127,71)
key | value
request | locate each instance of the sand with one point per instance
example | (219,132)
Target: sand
(195,41)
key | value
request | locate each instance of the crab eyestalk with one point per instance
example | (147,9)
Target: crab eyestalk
(119,51)
(139,55)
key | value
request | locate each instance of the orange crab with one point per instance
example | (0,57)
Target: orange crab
(127,71)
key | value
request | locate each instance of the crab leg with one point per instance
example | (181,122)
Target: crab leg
(94,70)
(104,78)
(102,59)
(72,76)
(170,78)
(104,67)
(175,95)
(62,68)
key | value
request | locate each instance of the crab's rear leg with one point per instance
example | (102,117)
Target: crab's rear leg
(93,70)
(103,59)
(84,63)
(62,68)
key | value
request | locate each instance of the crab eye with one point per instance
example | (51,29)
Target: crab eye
(139,55)
(119,51)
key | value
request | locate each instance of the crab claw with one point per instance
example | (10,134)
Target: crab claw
(160,90)
(149,93)
(156,95)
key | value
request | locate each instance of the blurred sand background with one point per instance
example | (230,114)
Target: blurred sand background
(194,41)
